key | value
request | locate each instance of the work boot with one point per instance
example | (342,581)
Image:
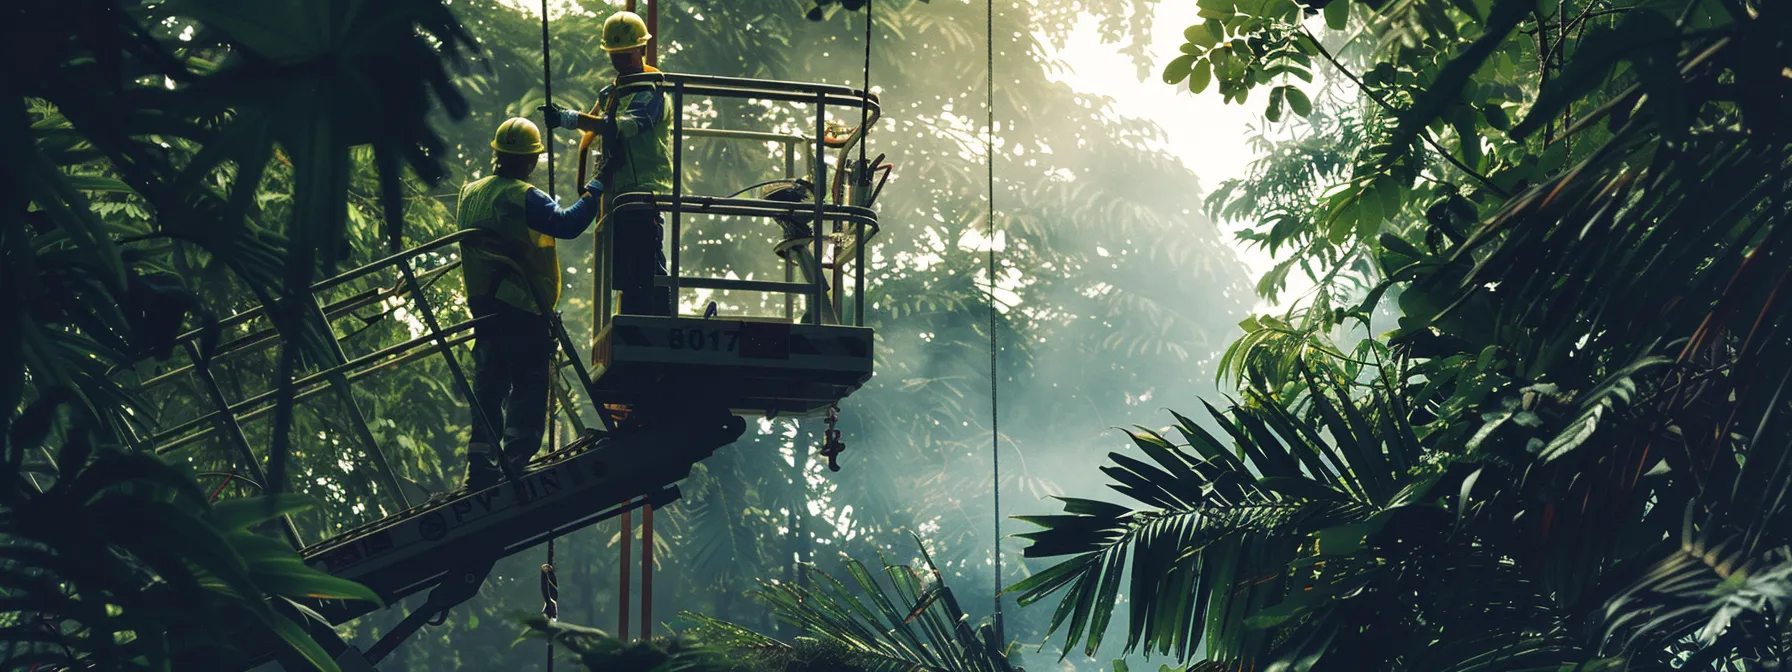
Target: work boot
(482,468)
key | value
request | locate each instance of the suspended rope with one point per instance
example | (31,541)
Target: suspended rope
(865,110)
(989,223)
(550,583)
(547,88)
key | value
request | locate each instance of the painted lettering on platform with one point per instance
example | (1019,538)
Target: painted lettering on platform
(475,506)
(441,523)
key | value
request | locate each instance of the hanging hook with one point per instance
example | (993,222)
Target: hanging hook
(831,445)
(550,593)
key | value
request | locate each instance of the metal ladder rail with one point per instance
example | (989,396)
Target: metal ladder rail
(226,417)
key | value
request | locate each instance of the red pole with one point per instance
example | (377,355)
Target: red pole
(628,540)
(653,28)
(647,571)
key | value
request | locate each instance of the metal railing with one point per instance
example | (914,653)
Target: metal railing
(855,223)
(225,418)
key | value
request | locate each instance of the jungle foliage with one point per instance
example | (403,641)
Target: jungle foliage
(185,170)
(909,621)
(134,173)
(1569,447)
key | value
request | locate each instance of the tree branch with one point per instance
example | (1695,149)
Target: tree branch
(1424,134)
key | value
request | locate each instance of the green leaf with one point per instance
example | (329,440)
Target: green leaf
(1200,76)
(241,514)
(1342,223)
(1298,101)
(1299,488)
(1348,538)
(1468,485)
(1178,69)
(1215,9)
(1274,111)
(1368,210)
(1337,14)
(1201,35)
(1446,88)
(1496,117)
(1294,605)
(1640,32)
(97,183)
(1552,158)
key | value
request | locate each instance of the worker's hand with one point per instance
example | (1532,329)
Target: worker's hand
(594,187)
(559,117)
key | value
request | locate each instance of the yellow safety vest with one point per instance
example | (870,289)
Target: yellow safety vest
(499,265)
(643,162)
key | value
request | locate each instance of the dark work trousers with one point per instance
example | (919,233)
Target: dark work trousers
(636,260)
(512,353)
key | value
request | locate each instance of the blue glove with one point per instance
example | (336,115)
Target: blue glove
(559,117)
(594,187)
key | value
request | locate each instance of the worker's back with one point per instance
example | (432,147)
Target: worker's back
(495,204)
(641,161)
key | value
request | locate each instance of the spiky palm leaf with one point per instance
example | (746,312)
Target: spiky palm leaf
(117,560)
(1224,527)
(909,622)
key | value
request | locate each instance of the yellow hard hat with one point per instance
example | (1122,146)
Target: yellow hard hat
(518,136)
(624,31)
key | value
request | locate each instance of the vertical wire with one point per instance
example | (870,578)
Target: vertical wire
(547,86)
(995,446)
(865,110)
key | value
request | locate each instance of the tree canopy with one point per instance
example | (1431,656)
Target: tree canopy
(1530,414)
(1566,448)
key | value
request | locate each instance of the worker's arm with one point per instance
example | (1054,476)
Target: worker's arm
(546,216)
(560,117)
(589,122)
(644,109)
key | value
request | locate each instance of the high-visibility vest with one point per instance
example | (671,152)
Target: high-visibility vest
(643,162)
(515,264)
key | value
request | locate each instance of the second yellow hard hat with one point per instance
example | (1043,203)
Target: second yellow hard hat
(624,31)
(518,136)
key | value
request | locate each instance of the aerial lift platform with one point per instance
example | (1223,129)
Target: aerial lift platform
(641,366)
(771,366)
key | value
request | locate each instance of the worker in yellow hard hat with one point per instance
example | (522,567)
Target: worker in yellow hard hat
(512,275)
(636,131)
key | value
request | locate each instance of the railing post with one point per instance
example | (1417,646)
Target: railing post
(603,259)
(572,355)
(647,569)
(234,434)
(563,398)
(677,193)
(790,150)
(626,523)
(820,166)
(357,419)
(858,275)
(460,377)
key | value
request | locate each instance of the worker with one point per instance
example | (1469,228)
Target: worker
(512,276)
(635,128)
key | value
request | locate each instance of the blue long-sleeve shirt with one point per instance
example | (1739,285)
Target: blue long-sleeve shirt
(644,109)
(544,214)
(639,112)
